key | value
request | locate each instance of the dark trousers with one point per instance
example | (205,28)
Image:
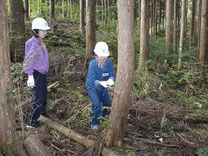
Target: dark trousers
(39,100)
(100,104)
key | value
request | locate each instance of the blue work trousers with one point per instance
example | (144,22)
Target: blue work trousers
(39,93)
(100,104)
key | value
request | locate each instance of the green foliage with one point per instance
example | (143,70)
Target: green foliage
(79,119)
(149,85)
(203,151)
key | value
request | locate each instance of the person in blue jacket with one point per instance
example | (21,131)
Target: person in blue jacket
(99,78)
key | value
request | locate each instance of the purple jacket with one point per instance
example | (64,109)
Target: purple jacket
(36,56)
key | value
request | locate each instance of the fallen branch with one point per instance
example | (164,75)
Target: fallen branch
(74,136)
(158,143)
(191,144)
(54,85)
(34,147)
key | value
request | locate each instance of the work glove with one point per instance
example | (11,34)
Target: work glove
(110,82)
(30,81)
(104,84)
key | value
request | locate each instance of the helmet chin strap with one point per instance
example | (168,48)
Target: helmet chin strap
(35,32)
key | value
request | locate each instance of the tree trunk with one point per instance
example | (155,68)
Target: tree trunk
(9,142)
(199,23)
(175,26)
(125,74)
(160,16)
(169,26)
(74,136)
(154,15)
(90,29)
(102,1)
(71,11)
(35,147)
(27,9)
(63,9)
(182,33)
(203,34)
(18,30)
(81,25)
(52,9)
(193,13)
(40,12)
(144,36)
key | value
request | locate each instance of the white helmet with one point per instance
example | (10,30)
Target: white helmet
(101,49)
(40,23)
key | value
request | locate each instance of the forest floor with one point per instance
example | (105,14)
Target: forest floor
(155,127)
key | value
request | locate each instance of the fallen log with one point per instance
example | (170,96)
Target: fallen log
(197,117)
(54,85)
(74,136)
(34,147)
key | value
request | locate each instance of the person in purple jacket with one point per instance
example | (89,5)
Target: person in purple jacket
(36,66)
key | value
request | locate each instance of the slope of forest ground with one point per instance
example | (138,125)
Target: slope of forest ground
(168,115)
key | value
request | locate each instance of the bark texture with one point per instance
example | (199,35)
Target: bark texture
(125,74)
(35,147)
(9,142)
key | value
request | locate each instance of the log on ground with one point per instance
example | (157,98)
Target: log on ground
(197,117)
(34,147)
(74,136)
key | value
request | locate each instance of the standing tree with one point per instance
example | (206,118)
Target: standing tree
(193,13)
(182,33)
(199,7)
(169,26)
(175,26)
(90,28)
(203,48)
(27,9)
(9,143)
(17,30)
(52,9)
(125,74)
(144,35)
(81,21)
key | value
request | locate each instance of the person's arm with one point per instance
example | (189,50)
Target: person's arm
(111,78)
(112,73)
(30,56)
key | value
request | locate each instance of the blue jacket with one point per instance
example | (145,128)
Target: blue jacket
(96,74)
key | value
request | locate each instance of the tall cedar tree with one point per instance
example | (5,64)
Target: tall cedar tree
(144,35)
(125,74)
(169,26)
(90,29)
(17,29)
(9,143)
(203,48)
